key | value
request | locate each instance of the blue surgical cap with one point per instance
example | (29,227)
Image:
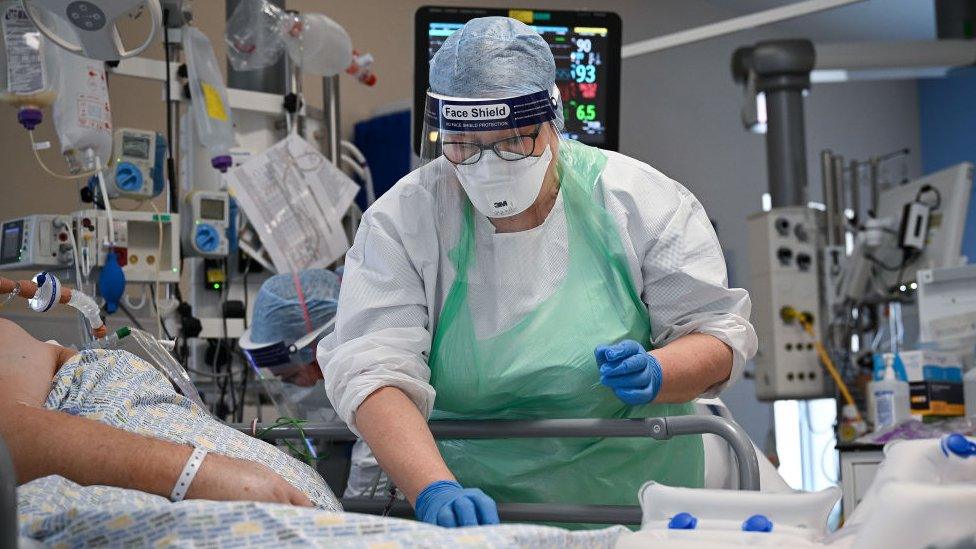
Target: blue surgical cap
(277,314)
(493,57)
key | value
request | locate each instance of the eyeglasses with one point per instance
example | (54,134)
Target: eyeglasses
(465,153)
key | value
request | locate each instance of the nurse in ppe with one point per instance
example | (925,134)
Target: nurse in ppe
(520,275)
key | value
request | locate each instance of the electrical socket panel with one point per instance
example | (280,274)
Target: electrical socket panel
(783,245)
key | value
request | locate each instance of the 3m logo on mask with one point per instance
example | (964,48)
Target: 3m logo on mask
(494,111)
(502,204)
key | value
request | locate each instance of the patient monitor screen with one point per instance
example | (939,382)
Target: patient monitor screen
(586,48)
(13,232)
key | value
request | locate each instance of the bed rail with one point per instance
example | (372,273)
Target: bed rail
(661,428)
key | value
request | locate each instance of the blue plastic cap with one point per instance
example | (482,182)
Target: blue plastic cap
(757,523)
(128,177)
(111,282)
(207,238)
(959,445)
(683,521)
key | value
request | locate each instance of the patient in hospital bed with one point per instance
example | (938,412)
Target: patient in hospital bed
(109,418)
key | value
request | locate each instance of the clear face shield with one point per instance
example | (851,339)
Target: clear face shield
(290,363)
(499,150)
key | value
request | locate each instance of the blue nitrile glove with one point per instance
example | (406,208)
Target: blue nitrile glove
(632,373)
(446,503)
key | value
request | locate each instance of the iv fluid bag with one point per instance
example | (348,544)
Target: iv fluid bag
(208,98)
(82,113)
(319,45)
(26,75)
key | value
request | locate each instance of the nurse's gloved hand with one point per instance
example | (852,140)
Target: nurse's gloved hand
(446,503)
(632,373)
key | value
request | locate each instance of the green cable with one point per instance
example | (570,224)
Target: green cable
(299,453)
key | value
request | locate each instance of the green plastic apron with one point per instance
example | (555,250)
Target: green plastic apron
(544,368)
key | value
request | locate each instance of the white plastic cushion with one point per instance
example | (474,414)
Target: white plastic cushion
(727,509)
(398,275)
(918,514)
(920,461)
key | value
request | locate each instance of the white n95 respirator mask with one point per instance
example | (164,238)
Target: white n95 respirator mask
(503,188)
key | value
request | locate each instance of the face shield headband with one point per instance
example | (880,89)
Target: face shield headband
(455,114)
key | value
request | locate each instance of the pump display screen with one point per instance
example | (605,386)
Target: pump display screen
(135,146)
(13,235)
(586,48)
(211,209)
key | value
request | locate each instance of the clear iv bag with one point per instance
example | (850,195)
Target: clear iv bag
(27,75)
(254,35)
(319,45)
(208,98)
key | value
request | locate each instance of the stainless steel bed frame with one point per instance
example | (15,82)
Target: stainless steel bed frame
(660,428)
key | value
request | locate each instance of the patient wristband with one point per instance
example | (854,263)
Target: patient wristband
(187,475)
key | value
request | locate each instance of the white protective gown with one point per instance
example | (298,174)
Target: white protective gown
(398,274)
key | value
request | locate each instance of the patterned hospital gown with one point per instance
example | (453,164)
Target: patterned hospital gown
(120,389)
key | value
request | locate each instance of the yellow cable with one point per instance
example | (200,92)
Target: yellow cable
(159,261)
(827,362)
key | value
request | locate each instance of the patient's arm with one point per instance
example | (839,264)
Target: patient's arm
(45,442)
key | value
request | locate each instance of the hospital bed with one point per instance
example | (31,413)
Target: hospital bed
(922,498)
(661,428)
(657,428)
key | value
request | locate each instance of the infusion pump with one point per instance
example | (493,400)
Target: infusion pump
(206,220)
(137,167)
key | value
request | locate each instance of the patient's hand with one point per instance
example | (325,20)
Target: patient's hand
(226,478)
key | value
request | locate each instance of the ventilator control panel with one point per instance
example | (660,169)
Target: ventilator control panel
(785,285)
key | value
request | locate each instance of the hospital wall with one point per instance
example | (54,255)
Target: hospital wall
(680,113)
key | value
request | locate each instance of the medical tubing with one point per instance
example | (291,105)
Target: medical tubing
(74,252)
(51,172)
(111,341)
(66,296)
(168,365)
(87,307)
(829,364)
(105,200)
(362,172)
(159,260)
(127,299)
